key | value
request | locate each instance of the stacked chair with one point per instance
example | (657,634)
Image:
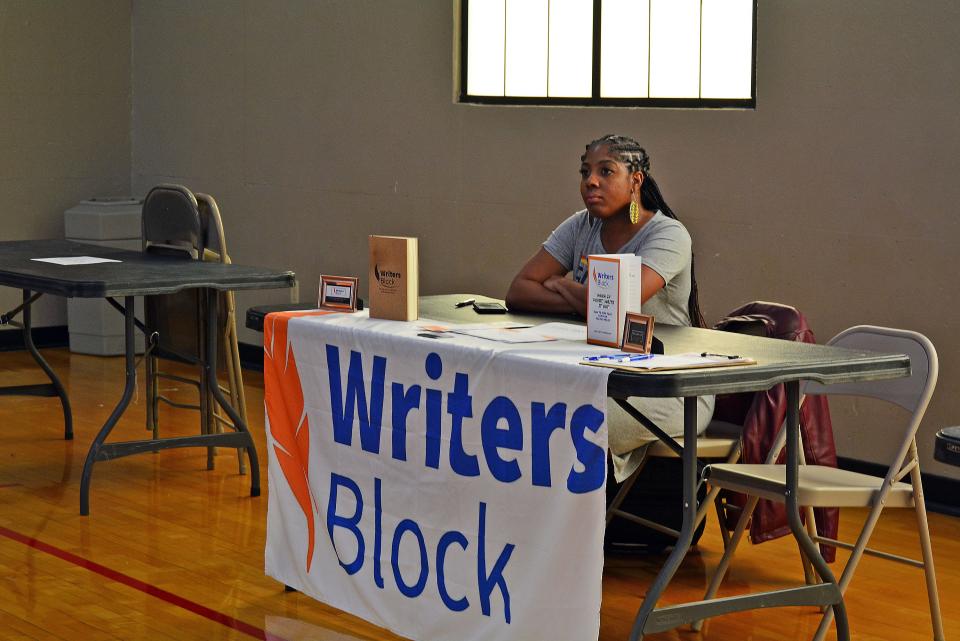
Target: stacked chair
(177,222)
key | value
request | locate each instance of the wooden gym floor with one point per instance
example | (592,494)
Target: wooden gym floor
(173,551)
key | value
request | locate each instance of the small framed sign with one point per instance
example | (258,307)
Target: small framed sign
(637,333)
(338,293)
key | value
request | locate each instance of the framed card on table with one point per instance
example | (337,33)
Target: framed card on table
(338,293)
(637,333)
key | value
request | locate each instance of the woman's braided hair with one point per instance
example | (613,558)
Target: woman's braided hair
(629,152)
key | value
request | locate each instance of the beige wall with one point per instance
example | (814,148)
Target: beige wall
(318,123)
(65,114)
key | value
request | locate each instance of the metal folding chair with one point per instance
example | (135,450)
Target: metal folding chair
(821,486)
(727,449)
(178,222)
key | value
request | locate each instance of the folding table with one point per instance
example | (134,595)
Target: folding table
(778,362)
(135,274)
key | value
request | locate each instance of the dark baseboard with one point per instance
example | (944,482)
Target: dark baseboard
(251,357)
(941,493)
(43,337)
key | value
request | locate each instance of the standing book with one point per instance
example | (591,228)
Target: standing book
(613,289)
(394,278)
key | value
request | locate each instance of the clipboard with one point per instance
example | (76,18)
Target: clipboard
(666,362)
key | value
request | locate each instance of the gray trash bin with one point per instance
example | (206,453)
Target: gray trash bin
(96,327)
(947,446)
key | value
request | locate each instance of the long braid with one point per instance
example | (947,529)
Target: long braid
(635,157)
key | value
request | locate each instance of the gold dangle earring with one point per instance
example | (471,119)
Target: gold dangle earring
(634,212)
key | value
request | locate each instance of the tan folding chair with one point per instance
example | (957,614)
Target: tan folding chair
(821,486)
(227,323)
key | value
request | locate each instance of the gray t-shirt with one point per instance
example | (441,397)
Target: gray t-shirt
(663,244)
(665,247)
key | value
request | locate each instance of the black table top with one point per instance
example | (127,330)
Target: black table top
(778,361)
(137,274)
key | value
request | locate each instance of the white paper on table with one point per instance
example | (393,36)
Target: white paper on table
(75,260)
(564,331)
(507,334)
(432,326)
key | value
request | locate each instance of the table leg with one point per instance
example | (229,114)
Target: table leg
(101,451)
(689,523)
(54,387)
(210,380)
(131,382)
(793,508)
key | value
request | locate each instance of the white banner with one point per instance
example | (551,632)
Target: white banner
(447,489)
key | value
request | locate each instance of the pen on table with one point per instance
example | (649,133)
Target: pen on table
(620,358)
(708,354)
(604,357)
(464,303)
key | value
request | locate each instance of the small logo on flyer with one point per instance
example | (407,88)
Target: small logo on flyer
(603,281)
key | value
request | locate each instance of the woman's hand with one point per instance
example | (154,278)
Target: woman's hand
(573,292)
(530,291)
(552,283)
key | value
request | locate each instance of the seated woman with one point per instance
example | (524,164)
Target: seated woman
(625,213)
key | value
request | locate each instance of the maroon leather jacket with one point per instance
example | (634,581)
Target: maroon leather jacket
(762,414)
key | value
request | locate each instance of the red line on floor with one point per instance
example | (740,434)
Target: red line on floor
(144,587)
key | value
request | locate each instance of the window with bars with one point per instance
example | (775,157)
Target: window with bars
(669,53)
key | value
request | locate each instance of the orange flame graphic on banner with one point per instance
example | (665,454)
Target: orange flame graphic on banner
(288,420)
